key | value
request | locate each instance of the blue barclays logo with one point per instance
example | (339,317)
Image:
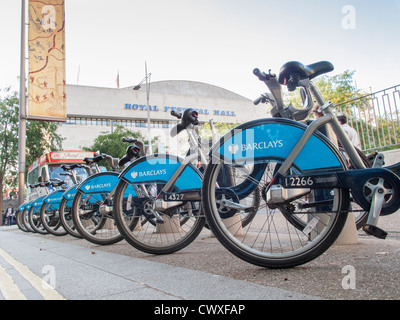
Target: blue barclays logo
(140,107)
(54,200)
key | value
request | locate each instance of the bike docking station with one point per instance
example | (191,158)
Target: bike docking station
(349,234)
(276,192)
(234,225)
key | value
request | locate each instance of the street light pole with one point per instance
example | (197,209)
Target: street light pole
(138,87)
(22,112)
(150,149)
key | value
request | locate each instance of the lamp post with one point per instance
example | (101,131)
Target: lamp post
(137,87)
(22,112)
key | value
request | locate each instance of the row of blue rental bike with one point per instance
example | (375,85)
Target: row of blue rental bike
(276,192)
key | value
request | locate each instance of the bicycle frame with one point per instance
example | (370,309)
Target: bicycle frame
(351,180)
(174,171)
(194,142)
(328,118)
(316,172)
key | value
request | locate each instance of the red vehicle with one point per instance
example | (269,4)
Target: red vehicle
(47,167)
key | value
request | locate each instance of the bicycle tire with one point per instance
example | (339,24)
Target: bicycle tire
(18,219)
(25,220)
(94,226)
(295,249)
(35,221)
(51,221)
(66,218)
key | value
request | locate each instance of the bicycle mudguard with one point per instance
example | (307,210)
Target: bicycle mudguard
(161,168)
(70,193)
(357,180)
(276,138)
(37,204)
(28,206)
(54,199)
(99,183)
(103,182)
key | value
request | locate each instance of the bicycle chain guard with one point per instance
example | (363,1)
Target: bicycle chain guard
(363,183)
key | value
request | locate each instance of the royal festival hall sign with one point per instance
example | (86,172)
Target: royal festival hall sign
(140,107)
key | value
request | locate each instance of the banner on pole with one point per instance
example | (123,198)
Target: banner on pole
(46,42)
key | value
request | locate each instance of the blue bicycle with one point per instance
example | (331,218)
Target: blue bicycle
(92,200)
(300,172)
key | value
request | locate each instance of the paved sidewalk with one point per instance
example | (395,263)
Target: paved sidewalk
(206,270)
(83,274)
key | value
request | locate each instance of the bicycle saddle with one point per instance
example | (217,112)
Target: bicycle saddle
(292,72)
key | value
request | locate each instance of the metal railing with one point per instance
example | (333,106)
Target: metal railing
(376,118)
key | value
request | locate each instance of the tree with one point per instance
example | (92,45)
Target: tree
(9,121)
(221,128)
(42,137)
(337,89)
(112,145)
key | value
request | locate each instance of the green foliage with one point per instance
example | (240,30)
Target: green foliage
(41,138)
(377,131)
(9,119)
(221,128)
(112,145)
(337,89)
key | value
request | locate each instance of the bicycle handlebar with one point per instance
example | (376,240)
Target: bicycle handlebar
(133,151)
(176,114)
(262,76)
(275,98)
(189,117)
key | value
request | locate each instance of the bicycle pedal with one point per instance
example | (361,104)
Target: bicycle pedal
(375,231)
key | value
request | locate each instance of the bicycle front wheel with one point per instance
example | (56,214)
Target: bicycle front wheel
(35,221)
(18,219)
(152,231)
(25,220)
(93,218)
(270,239)
(50,217)
(66,218)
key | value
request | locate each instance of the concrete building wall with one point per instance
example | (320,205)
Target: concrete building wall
(130,105)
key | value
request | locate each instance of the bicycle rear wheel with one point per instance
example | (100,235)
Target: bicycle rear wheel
(270,240)
(25,220)
(35,221)
(66,218)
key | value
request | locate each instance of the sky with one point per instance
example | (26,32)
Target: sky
(218,42)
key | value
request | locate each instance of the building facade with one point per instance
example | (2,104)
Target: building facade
(94,110)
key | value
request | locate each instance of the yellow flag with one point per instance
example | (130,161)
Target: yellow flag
(46,42)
